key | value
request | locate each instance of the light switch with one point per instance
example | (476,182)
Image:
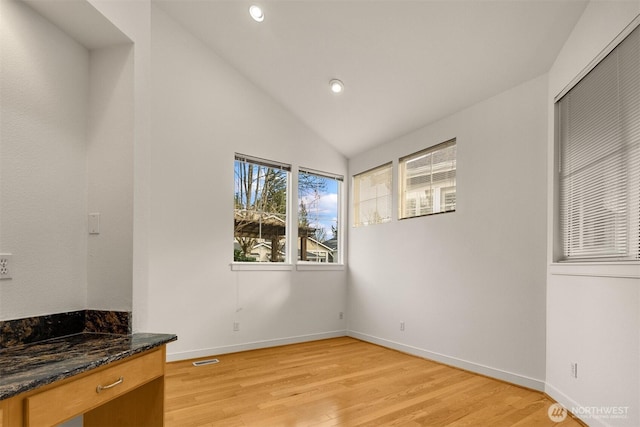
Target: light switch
(94,223)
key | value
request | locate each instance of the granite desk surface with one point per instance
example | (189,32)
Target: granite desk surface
(27,367)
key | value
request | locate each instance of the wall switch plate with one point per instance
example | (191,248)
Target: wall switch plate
(94,223)
(5,266)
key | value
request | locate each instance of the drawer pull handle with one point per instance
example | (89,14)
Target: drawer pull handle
(106,387)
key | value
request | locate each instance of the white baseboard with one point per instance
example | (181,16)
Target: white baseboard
(510,377)
(500,374)
(570,404)
(213,351)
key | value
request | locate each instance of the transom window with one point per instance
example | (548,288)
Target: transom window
(372,196)
(428,181)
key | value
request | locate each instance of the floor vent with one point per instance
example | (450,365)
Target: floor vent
(205,362)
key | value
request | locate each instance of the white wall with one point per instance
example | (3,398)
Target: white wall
(168,296)
(67,148)
(469,285)
(203,112)
(110,181)
(133,18)
(476,299)
(592,320)
(43,170)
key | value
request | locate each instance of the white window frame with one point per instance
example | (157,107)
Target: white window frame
(358,201)
(613,266)
(291,262)
(436,193)
(339,263)
(286,264)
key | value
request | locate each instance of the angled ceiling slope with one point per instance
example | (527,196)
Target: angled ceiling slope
(81,21)
(404,63)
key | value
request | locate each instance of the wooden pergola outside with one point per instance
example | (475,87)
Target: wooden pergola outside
(260,225)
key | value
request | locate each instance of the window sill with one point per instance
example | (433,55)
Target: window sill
(260,266)
(624,270)
(316,266)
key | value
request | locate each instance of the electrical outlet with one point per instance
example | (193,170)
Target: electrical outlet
(574,370)
(236,326)
(402,326)
(5,266)
(341,315)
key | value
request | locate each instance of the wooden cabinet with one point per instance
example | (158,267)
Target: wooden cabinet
(129,392)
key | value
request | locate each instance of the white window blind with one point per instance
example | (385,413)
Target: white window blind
(372,196)
(263,162)
(599,167)
(428,181)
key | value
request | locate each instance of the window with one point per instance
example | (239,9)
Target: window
(318,216)
(372,196)
(260,210)
(598,122)
(428,181)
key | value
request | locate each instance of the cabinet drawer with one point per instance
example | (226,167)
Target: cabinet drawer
(78,396)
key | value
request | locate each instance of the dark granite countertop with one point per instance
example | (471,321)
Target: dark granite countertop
(29,366)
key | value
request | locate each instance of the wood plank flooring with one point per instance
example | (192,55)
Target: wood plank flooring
(343,382)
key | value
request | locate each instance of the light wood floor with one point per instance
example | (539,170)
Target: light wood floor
(343,382)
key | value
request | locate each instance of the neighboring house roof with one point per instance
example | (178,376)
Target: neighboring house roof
(328,248)
(331,243)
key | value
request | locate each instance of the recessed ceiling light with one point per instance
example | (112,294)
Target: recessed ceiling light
(336,86)
(256,13)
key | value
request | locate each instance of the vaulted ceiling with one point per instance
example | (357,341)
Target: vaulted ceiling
(404,63)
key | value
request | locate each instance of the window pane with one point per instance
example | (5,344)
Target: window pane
(428,181)
(260,211)
(372,196)
(318,207)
